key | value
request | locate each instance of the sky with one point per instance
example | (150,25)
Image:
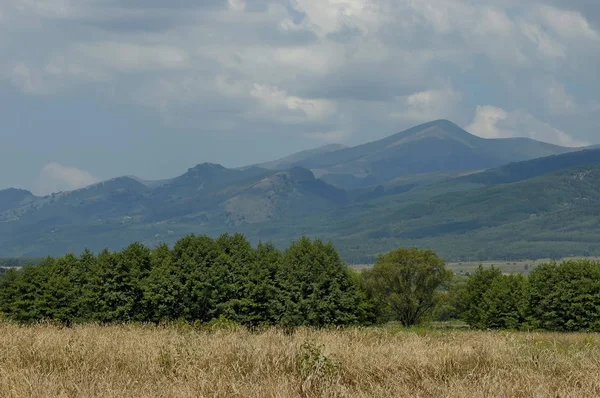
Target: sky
(94,89)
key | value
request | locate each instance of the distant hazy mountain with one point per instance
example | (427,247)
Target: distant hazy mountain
(10,198)
(421,187)
(289,161)
(439,146)
(542,208)
(280,195)
(550,216)
(520,171)
(208,197)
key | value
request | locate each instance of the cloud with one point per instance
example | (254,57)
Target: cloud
(494,122)
(544,43)
(555,96)
(568,23)
(287,71)
(237,5)
(55,177)
(329,16)
(427,105)
(131,57)
(290,108)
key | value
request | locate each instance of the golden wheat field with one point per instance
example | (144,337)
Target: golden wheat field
(148,361)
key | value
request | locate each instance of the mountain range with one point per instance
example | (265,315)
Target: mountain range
(434,185)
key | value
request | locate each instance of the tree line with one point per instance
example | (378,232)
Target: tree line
(562,297)
(202,279)
(199,279)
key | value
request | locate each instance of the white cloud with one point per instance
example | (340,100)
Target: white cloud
(568,24)
(24,78)
(494,122)
(555,96)
(55,177)
(427,105)
(93,62)
(485,122)
(237,5)
(545,44)
(131,57)
(295,109)
(329,16)
(46,8)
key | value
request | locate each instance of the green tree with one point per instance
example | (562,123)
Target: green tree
(9,292)
(262,301)
(566,296)
(194,257)
(121,278)
(448,303)
(58,297)
(471,301)
(406,280)
(505,304)
(318,288)
(163,289)
(27,288)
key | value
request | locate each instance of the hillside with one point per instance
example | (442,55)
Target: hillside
(533,208)
(438,146)
(291,160)
(520,171)
(206,199)
(553,215)
(11,198)
(280,195)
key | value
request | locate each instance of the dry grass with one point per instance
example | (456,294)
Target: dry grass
(145,361)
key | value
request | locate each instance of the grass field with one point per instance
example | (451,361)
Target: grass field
(145,361)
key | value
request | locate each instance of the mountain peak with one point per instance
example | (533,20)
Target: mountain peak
(207,166)
(204,170)
(12,197)
(441,126)
(443,122)
(301,174)
(15,191)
